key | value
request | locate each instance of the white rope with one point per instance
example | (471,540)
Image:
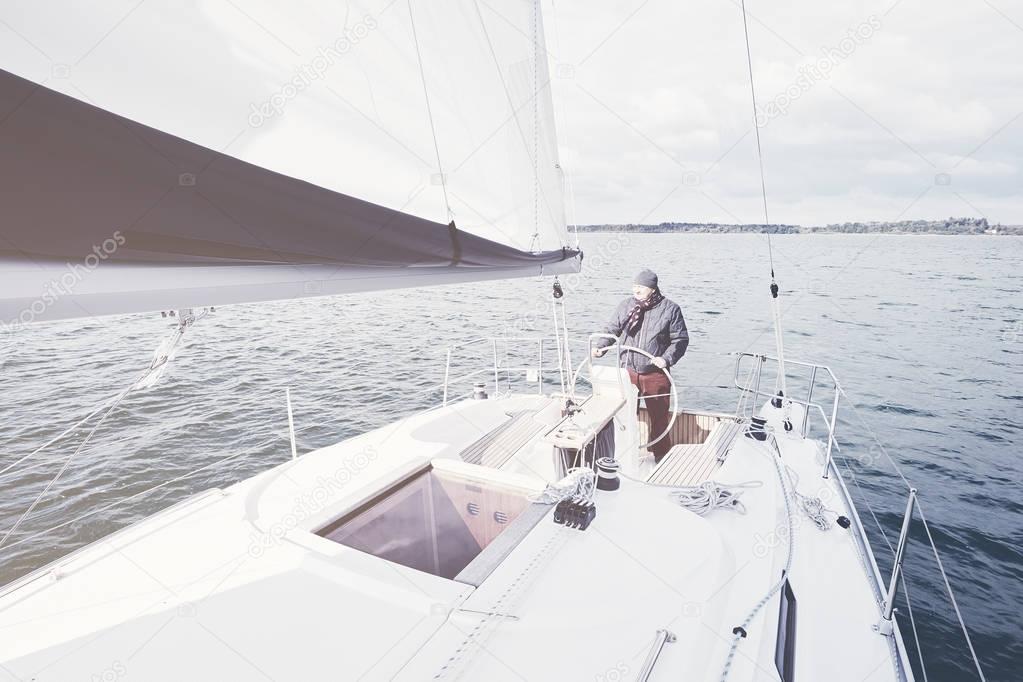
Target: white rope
(156,368)
(756,128)
(813,507)
(560,348)
(744,399)
(50,442)
(705,497)
(780,379)
(564,324)
(67,463)
(741,630)
(580,482)
(710,495)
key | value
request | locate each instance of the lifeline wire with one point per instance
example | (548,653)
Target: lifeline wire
(155,369)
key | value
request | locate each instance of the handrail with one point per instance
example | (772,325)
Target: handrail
(807,404)
(496,370)
(887,593)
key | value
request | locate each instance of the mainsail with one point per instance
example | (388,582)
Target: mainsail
(279,152)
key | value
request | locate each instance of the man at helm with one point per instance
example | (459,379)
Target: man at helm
(649,321)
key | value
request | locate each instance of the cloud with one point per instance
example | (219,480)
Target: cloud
(906,94)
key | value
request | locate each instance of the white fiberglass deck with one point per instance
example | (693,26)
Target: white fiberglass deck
(235,585)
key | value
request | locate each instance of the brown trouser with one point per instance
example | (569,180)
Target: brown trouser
(659,408)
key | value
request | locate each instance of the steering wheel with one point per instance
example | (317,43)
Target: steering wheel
(620,348)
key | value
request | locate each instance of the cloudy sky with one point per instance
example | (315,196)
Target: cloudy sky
(869,110)
(877,110)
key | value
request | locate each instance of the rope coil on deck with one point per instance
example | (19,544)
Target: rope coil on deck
(579,482)
(813,507)
(710,495)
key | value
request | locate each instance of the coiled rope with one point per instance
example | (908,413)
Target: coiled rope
(705,497)
(813,507)
(710,495)
(579,482)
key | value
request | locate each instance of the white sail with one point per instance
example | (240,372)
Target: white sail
(325,147)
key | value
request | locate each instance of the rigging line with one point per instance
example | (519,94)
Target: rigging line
(756,128)
(53,440)
(951,596)
(912,623)
(67,463)
(877,441)
(780,384)
(155,368)
(866,501)
(429,112)
(126,499)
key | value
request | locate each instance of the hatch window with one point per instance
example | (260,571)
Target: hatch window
(436,521)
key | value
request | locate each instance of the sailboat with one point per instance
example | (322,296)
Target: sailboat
(206,154)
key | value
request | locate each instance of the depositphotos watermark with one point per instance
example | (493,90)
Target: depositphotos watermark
(113,672)
(309,73)
(616,673)
(818,70)
(1014,333)
(311,503)
(65,284)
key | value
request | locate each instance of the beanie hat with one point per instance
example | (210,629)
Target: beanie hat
(646,278)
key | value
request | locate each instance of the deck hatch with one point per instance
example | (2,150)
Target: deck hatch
(435,521)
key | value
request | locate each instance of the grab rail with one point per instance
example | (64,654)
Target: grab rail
(496,369)
(885,593)
(807,404)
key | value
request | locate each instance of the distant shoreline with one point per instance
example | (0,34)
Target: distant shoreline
(952,226)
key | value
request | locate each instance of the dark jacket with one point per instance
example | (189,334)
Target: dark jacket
(663,334)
